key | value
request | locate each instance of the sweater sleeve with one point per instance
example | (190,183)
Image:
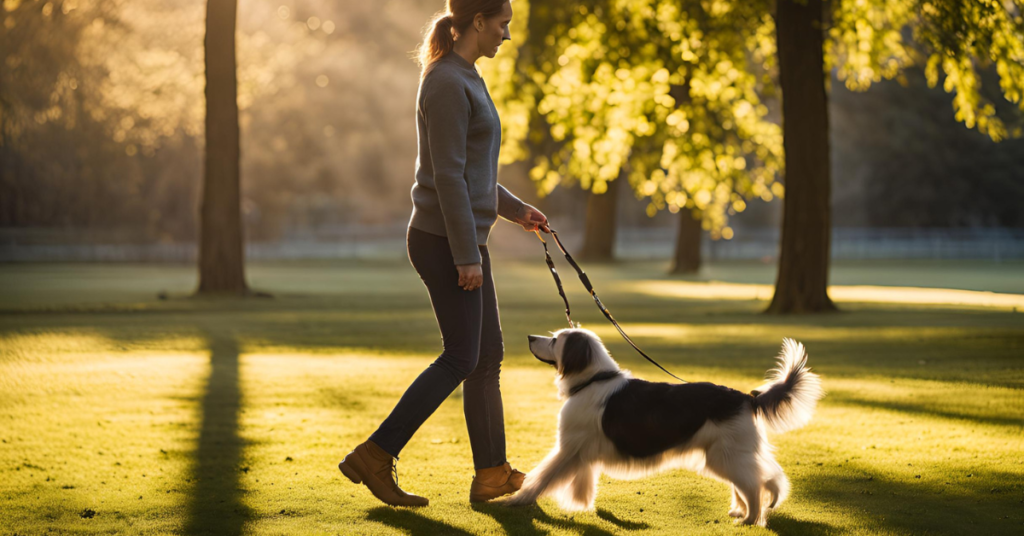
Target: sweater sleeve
(446,114)
(508,204)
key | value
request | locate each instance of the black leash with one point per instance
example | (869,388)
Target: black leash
(590,289)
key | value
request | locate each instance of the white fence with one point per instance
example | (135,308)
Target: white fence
(383,242)
(847,244)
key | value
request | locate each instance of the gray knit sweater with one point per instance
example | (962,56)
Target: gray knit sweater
(456,193)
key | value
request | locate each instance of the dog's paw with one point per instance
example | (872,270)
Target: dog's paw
(736,512)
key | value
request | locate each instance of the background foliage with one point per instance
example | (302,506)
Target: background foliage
(101,104)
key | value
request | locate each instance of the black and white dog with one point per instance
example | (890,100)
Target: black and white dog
(629,428)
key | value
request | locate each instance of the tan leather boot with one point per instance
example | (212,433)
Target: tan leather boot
(494,482)
(372,466)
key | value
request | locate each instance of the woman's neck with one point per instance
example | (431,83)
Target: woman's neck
(468,50)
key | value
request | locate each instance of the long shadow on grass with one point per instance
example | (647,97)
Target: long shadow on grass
(783,524)
(881,341)
(987,502)
(919,409)
(519,520)
(216,506)
(412,522)
(621,523)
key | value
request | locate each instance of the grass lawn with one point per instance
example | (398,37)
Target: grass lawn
(124,413)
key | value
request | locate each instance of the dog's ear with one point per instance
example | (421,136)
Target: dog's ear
(577,353)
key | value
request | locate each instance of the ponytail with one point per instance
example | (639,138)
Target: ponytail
(439,41)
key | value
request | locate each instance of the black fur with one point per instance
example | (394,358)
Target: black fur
(644,418)
(577,353)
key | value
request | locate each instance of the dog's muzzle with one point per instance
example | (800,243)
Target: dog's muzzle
(532,339)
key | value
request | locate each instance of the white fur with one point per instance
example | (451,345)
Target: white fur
(803,397)
(735,451)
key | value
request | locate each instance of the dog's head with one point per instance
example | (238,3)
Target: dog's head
(573,352)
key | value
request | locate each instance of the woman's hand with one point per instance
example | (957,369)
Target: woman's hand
(471,276)
(531,219)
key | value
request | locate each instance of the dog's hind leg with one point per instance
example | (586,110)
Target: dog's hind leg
(775,481)
(555,471)
(778,488)
(748,484)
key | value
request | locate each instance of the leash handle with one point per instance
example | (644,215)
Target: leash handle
(590,288)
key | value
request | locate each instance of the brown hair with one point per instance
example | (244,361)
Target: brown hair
(446,25)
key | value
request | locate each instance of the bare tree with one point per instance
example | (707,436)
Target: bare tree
(221,251)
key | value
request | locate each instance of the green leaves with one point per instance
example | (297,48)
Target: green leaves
(952,40)
(664,93)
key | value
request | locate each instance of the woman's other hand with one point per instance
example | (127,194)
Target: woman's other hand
(531,219)
(471,276)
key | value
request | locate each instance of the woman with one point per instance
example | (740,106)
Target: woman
(456,200)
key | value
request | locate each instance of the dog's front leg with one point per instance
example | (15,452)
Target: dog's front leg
(739,508)
(582,490)
(555,471)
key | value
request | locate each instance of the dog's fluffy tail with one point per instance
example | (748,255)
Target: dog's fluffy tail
(787,401)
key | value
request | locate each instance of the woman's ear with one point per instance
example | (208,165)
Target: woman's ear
(577,353)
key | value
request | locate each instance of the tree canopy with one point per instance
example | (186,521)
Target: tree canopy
(954,41)
(681,93)
(670,92)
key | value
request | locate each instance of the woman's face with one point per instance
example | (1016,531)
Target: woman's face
(495,30)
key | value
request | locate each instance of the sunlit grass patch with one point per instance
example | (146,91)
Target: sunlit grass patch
(881,467)
(715,290)
(95,438)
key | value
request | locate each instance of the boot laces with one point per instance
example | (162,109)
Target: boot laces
(393,466)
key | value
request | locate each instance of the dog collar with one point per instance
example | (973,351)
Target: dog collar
(599,377)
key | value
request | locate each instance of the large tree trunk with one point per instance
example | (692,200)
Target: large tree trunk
(599,235)
(687,256)
(802,281)
(221,253)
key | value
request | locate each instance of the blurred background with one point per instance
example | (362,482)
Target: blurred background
(103,144)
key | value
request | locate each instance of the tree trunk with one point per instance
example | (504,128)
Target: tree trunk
(221,253)
(802,281)
(687,257)
(599,235)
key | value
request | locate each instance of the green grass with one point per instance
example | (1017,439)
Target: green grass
(229,416)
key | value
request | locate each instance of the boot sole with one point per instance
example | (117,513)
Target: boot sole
(483,499)
(350,473)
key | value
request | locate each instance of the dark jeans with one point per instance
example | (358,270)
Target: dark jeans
(473,349)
